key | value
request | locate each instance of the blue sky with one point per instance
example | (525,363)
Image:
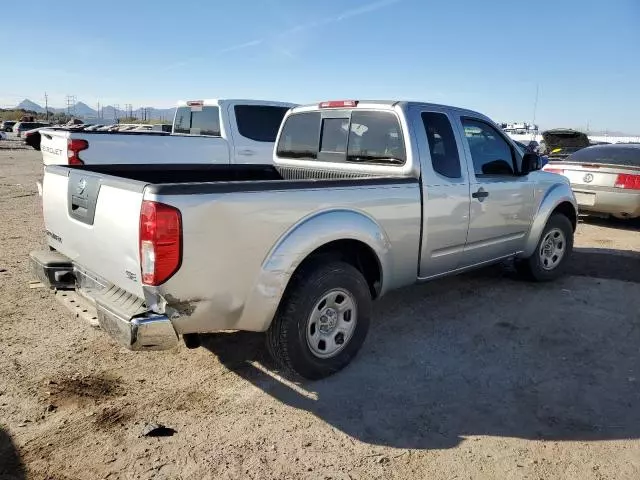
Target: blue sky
(487,55)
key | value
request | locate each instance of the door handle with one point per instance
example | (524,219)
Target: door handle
(246,153)
(481,194)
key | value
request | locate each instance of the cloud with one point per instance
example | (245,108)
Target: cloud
(353,12)
(372,7)
(240,46)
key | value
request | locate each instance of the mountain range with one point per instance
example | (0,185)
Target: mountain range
(109,112)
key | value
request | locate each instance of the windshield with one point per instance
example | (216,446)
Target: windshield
(197,121)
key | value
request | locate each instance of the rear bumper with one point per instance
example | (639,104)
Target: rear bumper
(133,328)
(148,332)
(620,202)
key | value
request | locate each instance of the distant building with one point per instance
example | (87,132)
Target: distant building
(520,128)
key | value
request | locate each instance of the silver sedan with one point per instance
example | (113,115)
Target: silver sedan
(605,179)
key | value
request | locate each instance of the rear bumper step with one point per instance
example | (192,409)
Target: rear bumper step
(143,331)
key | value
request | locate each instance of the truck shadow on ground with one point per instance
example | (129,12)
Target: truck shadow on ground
(11,466)
(613,223)
(481,354)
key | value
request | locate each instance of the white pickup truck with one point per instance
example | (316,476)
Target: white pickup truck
(204,131)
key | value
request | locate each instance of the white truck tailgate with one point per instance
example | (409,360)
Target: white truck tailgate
(53,144)
(94,220)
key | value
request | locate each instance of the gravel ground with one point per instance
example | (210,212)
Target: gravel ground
(475,377)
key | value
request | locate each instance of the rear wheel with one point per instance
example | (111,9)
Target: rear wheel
(322,321)
(552,252)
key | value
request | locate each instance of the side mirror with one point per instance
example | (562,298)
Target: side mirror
(530,163)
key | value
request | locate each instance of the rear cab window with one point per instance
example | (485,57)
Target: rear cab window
(259,122)
(442,144)
(197,120)
(353,136)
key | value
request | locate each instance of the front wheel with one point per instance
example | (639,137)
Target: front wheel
(552,252)
(322,321)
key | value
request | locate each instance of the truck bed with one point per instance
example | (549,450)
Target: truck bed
(185,178)
(184,172)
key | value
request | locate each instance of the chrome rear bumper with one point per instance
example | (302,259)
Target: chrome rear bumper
(131,325)
(148,332)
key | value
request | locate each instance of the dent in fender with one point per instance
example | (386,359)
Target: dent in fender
(554,196)
(296,245)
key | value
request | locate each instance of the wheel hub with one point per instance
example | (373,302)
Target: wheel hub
(549,247)
(328,320)
(552,249)
(331,323)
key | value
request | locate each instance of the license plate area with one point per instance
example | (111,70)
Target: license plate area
(585,199)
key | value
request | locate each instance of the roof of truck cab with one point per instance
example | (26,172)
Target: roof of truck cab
(216,102)
(391,104)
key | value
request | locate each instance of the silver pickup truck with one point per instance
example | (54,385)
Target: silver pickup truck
(364,197)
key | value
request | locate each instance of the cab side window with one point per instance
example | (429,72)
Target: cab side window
(442,145)
(490,152)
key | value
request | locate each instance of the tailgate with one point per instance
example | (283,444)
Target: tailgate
(94,220)
(53,144)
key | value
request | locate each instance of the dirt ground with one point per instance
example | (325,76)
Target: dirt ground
(480,376)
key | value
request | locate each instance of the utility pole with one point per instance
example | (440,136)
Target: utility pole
(46,105)
(116,107)
(535,108)
(71,105)
(98,110)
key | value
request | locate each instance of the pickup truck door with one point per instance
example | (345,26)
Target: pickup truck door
(445,191)
(501,200)
(254,129)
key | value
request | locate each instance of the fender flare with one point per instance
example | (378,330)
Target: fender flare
(555,196)
(295,245)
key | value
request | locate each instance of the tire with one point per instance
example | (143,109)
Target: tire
(302,321)
(534,267)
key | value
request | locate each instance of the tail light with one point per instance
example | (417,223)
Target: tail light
(554,170)
(74,147)
(628,181)
(160,242)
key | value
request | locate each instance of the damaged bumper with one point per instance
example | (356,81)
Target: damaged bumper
(122,315)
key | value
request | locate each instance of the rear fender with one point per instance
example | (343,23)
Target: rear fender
(296,245)
(555,196)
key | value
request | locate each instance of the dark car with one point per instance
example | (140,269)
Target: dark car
(7,126)
(562,142)
(33,138)
(532,147)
